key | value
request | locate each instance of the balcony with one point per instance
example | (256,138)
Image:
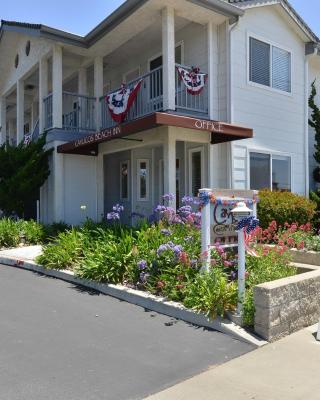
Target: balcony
(79,111)
(150,99)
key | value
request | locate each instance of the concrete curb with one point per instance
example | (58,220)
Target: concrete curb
(142,299)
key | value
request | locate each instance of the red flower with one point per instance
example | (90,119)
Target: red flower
(161,284)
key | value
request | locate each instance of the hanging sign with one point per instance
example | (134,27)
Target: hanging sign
(194,80)
(120,102)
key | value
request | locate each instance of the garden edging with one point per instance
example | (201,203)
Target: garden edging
(142,299)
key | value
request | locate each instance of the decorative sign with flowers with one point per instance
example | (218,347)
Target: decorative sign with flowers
(223,224)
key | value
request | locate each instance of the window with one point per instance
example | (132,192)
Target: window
(268,171)
(195,171)
(124,180)
(270,65)
(143,180)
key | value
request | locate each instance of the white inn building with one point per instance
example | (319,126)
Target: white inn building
(247,128)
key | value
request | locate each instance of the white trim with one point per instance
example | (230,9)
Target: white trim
(190,152)
(271,154)
(128,184)
(271,44)
(147,161)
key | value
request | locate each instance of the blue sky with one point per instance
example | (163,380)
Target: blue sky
(80,16)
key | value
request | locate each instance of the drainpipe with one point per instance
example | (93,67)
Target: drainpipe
(230,29)
(306,116)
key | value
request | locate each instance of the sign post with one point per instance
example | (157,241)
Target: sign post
(318,334)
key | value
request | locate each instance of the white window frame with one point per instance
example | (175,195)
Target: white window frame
(271,44)
(147,161)
(190,152)
(271,154)
(128,164)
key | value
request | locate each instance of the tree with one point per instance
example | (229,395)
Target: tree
(23,170)
(314,122)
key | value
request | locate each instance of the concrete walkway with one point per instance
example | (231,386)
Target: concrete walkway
(27,253)
(285,370)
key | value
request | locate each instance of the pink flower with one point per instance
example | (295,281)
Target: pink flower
(301,245)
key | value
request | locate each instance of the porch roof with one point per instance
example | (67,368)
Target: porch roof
(221,132)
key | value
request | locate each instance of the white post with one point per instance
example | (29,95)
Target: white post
(82,81)
(38,211)
(3,120)
(205,233)
(318,334)
(211,59)
(57,87)
(20,110)
(58,186)
(98,89)
(241,271)
(43,91)
(168,51)
(169,166)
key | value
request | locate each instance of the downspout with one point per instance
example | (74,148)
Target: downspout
(306,117)
(230,110)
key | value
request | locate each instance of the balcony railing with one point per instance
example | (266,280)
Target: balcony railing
(186,102)
(48,121)
(78,112)
(148,100)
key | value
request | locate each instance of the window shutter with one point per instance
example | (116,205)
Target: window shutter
(259,62)
(281,69)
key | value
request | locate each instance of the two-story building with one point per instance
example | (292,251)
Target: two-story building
(246,128)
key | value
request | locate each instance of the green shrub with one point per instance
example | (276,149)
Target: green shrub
(109,257)
(65,252)
(9,233)
(284,207)
(271,266)
(53,230)
(211,293)
(33,232)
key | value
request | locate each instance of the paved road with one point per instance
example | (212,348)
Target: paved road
(61,342)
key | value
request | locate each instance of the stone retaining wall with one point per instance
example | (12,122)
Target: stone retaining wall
(287,305)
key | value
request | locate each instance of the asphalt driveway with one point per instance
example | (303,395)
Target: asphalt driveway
(60,342)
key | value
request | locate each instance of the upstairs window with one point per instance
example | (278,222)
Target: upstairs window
(270,65)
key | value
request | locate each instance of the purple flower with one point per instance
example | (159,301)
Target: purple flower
(113,216)
(118,208)
(142,264)
(177,250)
(166,232)
(162,249)
(188,200)
(185,211)
(168,197)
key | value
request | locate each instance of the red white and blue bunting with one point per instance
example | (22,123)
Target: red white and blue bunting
(120,102)
(27,139)
(194,80)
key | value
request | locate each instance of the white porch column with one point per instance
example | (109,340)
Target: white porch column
(57,87)
(168,51)
(10,128)
(98,88)
(3,120)
(20,110)
(58,186)
(211,58)
(43,91)
(82,81)
(169,165)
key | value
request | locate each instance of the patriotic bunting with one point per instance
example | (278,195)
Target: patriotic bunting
(120,102)
(194,80)
(27,139)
